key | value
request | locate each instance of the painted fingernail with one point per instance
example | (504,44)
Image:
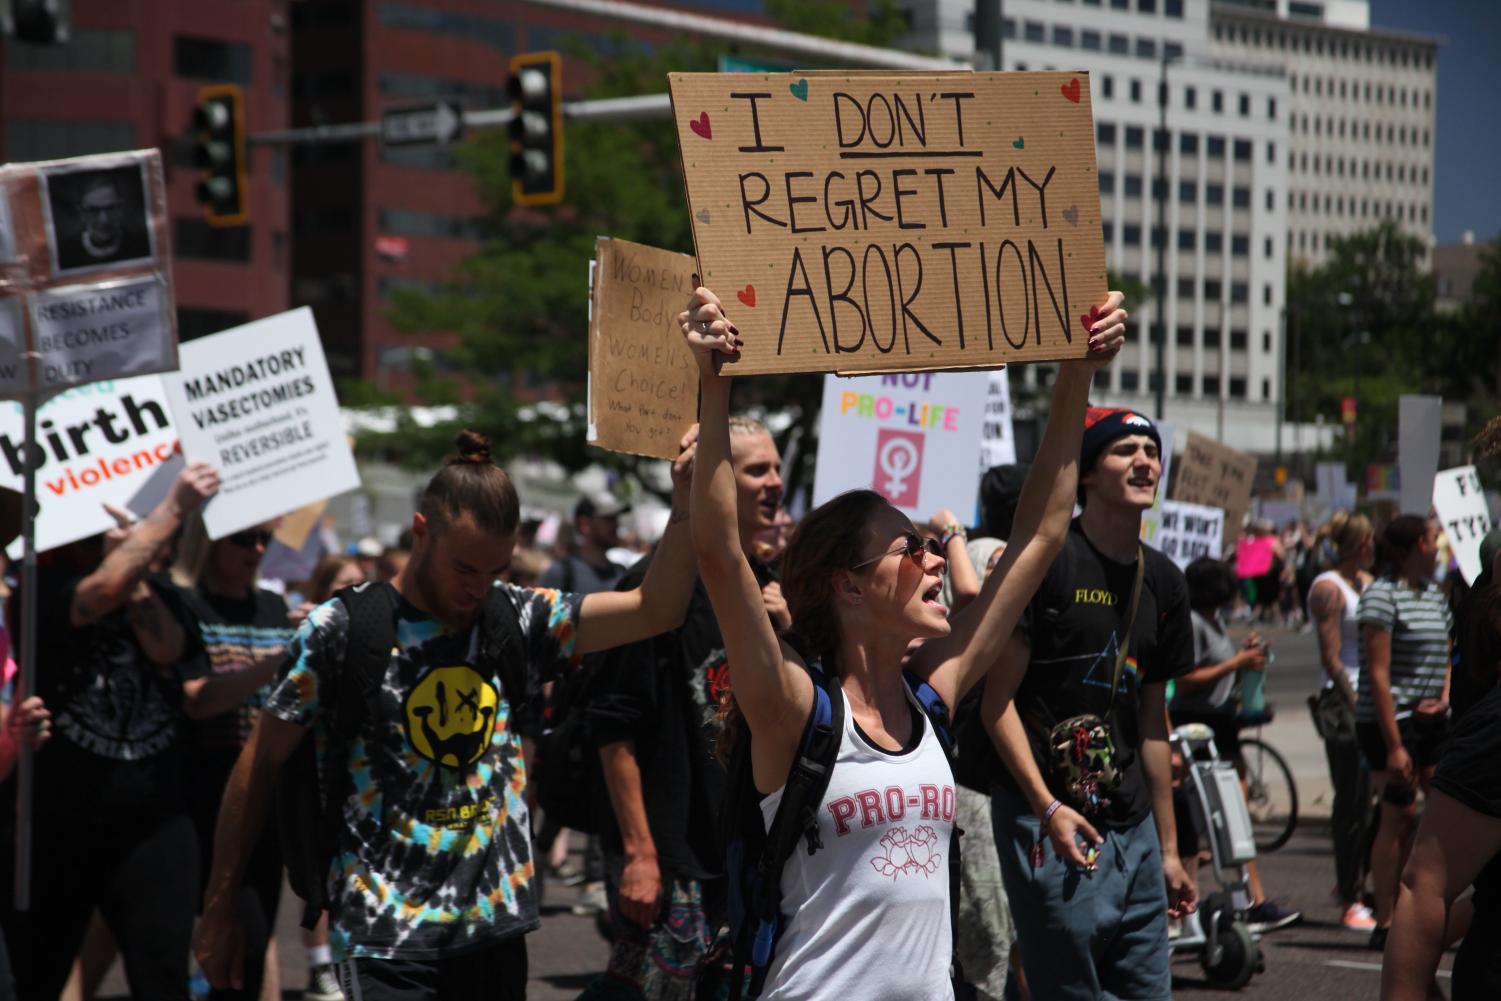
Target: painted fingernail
(734,330)
(696,282)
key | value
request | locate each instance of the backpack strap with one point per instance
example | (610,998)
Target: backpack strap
(937,712)
(796,818)
(501,645)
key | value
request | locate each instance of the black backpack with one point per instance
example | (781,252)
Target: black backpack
(568,779)
(755,852)
(310,801)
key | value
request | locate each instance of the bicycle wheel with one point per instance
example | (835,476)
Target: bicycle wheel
(1271,795)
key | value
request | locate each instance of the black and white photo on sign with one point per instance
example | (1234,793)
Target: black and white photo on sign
(98,218)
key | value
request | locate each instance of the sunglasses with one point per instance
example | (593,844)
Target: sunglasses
(251,538)
(914,546)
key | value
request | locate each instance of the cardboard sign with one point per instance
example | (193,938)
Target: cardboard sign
(1460,502)
(1419,427)
(1216,475)
(861,222)
(997,437)
(257,402)
(643,381)
(914,439)
(92,268)
(1189,531)
(96,444)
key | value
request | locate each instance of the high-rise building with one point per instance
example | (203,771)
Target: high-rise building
(1361,114)
(127,77)
(1222,196)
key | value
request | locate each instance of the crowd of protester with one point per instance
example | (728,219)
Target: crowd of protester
(175,688)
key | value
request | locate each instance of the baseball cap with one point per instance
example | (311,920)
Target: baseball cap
(600,504)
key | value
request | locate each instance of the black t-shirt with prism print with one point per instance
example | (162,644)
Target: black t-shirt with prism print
(435,853)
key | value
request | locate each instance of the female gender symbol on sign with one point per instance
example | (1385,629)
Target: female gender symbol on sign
(898,472)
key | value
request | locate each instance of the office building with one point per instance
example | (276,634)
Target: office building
(127,77)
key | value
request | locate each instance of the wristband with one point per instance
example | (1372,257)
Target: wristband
(950,533)
(1047,815)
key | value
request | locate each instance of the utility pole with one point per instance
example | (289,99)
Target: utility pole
(1160,283)
(988,34)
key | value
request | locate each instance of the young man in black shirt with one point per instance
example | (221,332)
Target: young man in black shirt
(654,716)
(1091,868)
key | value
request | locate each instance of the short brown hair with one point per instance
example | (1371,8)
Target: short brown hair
(470,485)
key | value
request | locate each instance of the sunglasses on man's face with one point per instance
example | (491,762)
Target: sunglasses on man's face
(251,538)
(914,547)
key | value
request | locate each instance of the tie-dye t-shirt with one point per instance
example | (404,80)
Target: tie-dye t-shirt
(435,852)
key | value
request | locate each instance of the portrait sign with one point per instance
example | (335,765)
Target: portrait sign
(862,222)
(643,381)
(98,213)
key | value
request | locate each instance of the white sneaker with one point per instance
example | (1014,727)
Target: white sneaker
(1358,917)
(322,984)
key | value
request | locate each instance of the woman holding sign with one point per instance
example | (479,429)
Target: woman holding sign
(861,585)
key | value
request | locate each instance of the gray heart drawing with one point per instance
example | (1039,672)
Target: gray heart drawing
(1071,215)
(703,216)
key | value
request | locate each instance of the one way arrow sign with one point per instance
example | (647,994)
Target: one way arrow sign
(441,123)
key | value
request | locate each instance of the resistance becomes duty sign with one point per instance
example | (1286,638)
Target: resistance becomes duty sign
(258,402)
(857,223)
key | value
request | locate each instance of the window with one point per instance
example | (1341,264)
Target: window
(1090,41)
(1212,289)
(1131,234)
(1104,134)
(405,222)
(1186,239)
(1216,147)
(1245,105)
(52,139)
(1134,136)
(1172,51)
(1266,389)
(1188,191)
(1240,246)
(1033,31)
(1008,25)
(1239,292)
(1211,385)
(1120,45)
(1161,141)
(1271,200)
(1266,342)
(1271,153)
(1214,241)
(1135,91)
(1237,387)
(1108,229)
(1266,295)
(1185,337)
(1237,340)
(1214,194)
(1243,150)
(489,31)
(1147,6)
(1172,8)
(323,221)
(1159,189)
(195,323)
(1267,248)
(1190,98)
(1130,380)
(1271,109)
(1217,102)
(1183,385)
(1158,236)
(196,238)
(1107,182)
(1188,143)
(1146,48)
(1240,197)
(1107,83)
(210,59)
(89,50)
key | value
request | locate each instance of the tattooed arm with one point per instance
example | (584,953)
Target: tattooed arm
(114,582)
(157,630)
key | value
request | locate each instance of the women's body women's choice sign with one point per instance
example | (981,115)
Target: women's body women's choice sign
(643,381)
(856,222)
(913,438)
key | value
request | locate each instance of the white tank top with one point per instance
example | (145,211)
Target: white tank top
(869,912)
(1349,628)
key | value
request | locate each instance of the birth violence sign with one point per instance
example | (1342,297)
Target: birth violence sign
(857,222)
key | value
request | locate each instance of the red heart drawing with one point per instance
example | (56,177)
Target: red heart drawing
(747,295)
(1071,90)
(1087,319)
(701,127)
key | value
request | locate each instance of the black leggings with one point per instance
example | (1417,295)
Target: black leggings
(142,875)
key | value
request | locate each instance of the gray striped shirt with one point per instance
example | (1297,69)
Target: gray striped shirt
(1419,622)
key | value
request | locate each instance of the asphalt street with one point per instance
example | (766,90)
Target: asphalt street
(1316,960)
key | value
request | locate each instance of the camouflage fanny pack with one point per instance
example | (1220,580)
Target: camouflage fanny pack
(1081,749)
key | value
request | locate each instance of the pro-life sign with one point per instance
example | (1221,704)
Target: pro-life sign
(1460,502)
(258,403)
(914,439)
(858,223)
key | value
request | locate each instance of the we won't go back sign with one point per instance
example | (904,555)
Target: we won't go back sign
(859,222)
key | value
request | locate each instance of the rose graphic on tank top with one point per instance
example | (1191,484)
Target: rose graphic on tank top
(908,852)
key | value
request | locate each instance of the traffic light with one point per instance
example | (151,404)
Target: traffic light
(537,128)
(219,148)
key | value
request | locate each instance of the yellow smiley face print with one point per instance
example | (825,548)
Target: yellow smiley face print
(450,716)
